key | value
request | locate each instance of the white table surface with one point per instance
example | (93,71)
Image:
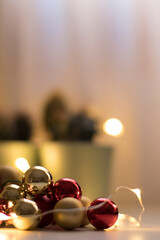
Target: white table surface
(149,230)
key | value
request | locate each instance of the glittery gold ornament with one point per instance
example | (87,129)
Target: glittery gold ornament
(24,214)
(69,219)
(11,192)
(86,202)
(37,180)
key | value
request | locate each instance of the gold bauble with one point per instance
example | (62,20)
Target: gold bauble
(8,174)
(36,180)
(72,218)
(25,214)
(12,192)
(86,202)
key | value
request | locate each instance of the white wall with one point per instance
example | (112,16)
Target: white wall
(104,56)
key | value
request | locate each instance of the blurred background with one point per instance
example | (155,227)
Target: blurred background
(101,58)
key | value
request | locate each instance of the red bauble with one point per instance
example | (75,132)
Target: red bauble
(104,216)
(45,204)
(66,187)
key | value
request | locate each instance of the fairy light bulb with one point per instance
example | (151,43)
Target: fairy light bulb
(22,164)
(4,217)
(10,204)
(113,127)
(137,191)
(125,220)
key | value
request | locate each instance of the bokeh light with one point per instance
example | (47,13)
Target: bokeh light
(113,127)
(22,164)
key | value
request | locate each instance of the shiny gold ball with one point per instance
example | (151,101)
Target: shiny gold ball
(26,211)
(8,174)
(36,180)
(12,192)
(72,218)
(86,202)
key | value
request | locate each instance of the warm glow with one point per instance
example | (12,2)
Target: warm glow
(122,218)
(4,217)
(4,236)
(10,204)
(113,127)
(137,191)
(22,164)
(133,220)
(13,215)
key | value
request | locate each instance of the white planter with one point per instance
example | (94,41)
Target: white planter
(88,164)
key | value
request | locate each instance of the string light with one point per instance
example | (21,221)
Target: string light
(121,217)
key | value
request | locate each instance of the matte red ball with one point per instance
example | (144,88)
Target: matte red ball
(104,216)
(66,187)
(45,204)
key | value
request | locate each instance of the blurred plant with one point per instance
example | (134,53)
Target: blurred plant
(21,128)
(56,117)
(81,128)
(62,125)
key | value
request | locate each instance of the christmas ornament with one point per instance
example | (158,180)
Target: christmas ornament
(103,216)
(9,174)
(25,212)
(85,202)
(11,192)
(45,204)
(70,219)
(36,181)
(66,187)
(71,208)
(8,196)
